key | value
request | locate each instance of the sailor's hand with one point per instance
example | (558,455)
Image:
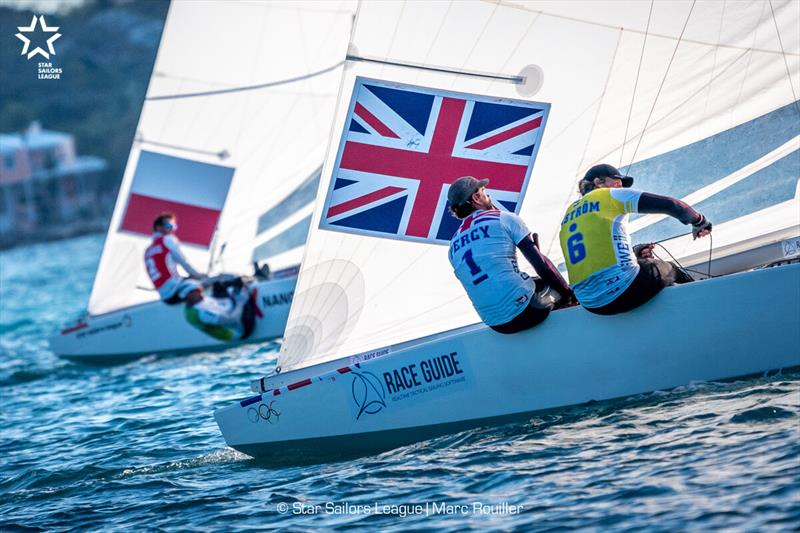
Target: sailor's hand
(644,251)
(701,228)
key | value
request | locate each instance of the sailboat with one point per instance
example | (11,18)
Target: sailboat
(382,347)
(231,137)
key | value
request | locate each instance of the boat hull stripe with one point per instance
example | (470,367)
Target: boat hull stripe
(67,331)
(250,401)
(299,384)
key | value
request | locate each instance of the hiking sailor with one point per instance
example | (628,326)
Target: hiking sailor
(484,258)
(606,275)
(161,259)
(227,315)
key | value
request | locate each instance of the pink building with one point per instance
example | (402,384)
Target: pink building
(44,184)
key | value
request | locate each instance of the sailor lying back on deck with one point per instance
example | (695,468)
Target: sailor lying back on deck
(226,314)
(603,271)
(162,258)
(483,253)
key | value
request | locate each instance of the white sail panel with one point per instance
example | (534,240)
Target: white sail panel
(245,86)
(610,71)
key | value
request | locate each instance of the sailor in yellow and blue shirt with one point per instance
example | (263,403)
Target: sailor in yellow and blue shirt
(605,273)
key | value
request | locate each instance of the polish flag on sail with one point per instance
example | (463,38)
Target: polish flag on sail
(195,192)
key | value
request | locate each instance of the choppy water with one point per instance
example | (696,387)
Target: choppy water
(135,446)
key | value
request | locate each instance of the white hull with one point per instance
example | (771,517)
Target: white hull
(156,328)
(722,328)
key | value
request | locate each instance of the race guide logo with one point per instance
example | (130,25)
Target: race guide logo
(46,70)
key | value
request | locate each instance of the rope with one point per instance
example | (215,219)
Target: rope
(710,248)
(687,270)
(636,83)
(663,80)
(783,52)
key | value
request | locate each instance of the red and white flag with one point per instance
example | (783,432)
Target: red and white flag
(195,192)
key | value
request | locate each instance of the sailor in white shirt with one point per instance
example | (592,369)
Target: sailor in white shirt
(483,253)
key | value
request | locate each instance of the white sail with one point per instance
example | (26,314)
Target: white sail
(236,121)
(627,82)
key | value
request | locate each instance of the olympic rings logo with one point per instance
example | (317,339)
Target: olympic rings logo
(264,412)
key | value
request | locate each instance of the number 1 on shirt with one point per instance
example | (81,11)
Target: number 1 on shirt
(474,269)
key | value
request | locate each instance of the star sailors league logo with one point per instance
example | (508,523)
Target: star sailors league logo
(27,42)
(403,146)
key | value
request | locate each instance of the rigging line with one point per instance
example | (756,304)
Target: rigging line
(687,99)
(673,237)
(636,84)
(436,36)
(716,51)
(480,36)
(516,46)
(710,249)
(677,263)
(417,66)
(687,270)
(222,154)
(746,74)
(396,27)
(630,30)
(591,133)
(520,41)
(785,62)
(246,87)
(663,81)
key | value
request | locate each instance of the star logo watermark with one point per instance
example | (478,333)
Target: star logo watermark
(27,42)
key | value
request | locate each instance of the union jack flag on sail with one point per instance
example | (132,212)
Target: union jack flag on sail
(403,146)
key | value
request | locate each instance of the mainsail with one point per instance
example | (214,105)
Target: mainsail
(234,128)
(627,83)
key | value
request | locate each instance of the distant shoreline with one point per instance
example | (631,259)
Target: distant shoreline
(54,233)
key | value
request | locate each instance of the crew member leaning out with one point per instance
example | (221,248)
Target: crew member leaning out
(606,275)
(483,253)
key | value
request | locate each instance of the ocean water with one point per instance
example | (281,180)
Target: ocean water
(135,446)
